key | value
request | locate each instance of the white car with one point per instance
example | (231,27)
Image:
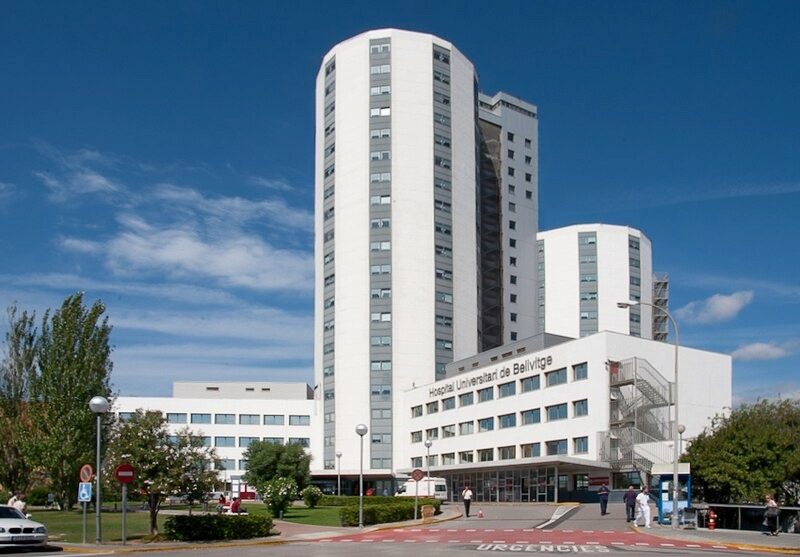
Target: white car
(16,529)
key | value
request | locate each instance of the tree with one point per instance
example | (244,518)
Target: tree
(266,461)
(164,465)
(753,451)
(16,373)
(72,365)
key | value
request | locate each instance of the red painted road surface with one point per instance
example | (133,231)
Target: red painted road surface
(490,538)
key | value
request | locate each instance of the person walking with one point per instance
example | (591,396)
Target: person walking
(602,493)
(630,504)
(771,513)
(643,507)
(466,495)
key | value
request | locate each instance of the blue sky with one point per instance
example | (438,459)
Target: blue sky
(159,156)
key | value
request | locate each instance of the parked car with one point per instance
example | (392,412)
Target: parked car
(428,487)
(18,530)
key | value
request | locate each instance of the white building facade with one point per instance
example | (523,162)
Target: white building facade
(546,415)
(585,270)
(406,280)
(230,415)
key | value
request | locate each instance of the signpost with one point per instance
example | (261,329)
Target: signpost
(416,475)
(85,491)
(125,475)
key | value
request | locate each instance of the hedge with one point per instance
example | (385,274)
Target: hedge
(347,500)
(400,509)
(205,527)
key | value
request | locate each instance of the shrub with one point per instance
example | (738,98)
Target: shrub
(38,496)
(278,494)
(311,496)
(204,527)
(345,500)
(400,509)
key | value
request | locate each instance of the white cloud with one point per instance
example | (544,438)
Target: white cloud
(7,191)
(80,246)
(270,183)
(766,350)
(77,173)
(716,309)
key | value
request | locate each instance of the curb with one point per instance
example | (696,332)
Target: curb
(732,545)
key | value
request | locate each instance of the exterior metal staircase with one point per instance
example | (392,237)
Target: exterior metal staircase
(640,417)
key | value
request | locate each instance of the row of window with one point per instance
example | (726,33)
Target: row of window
(229,419)
(554,412)
(244,442)
(526,384)
(580,445)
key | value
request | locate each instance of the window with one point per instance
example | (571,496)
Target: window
(513,317)
(432,433)
(224,441)
(588,277)
(448,458)
(416,462)
(465,457)
(558,446)
(442,206)
(527,143)
(485,455)
(416,436)
(528,159)
(532,416)
(556,377)
(466,428)
(506,389)
(442,228)
(225,419)
(580,371)
(201,418)
(380,223)
(381,292)
(580,408)
(585,315)
(274,440)
(249,419)
(449,430)
(441,98)
(529,384)
(441,118)
(467,399)
(385,316)
(226,464)
(380,155)
(507,420)
(327,371)
(330,279)
(528,177)
(441,56)
(512,242)
(381,438)
(441,76)
(299,420)
(273,419)
(443,344)
(442,140)
(588,296)
(510,136)
(513,298)
(507,453)
(173,418)
(380,133)
(379,69)
(486,394)
(381,390)
(327,348)
(440,183)
(246,441)
(442,162)
(448,403)
(380,200)
(531,450)
(380,246)
(380,90)
(513,335)
(444,320)
(380,177)
(304,442)
(444,274)
(380,269)
(485,424)
(416,411)
(512,224)
(381,413)
(380,341)
(444,297)
(380,48)
(380,111)
(432,407)
(528,194)
(511,171)
(556,412)
(580,445)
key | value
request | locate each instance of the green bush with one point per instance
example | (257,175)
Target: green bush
(311,496)
(400,509)
(278,494)
(345,500)
(38,496)
(204,527)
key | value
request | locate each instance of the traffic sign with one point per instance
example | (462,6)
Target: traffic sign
(84,492)
(417,474)
(86,473)
(124,473)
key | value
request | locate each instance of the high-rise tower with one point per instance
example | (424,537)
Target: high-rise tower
(425,226)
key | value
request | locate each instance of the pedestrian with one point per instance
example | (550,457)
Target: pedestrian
(466,495)
(630,504)
(602,493)
(771,513)
(643,507)
(235,506)
(20,505)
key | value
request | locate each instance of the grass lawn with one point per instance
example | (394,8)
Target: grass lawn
(320,516)
(68,525)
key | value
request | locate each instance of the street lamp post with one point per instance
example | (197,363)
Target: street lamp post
(428,444)
(361,429)
(675,433)
(338,472)
(99,405)
(681,429)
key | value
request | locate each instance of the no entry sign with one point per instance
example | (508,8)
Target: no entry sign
(124,473)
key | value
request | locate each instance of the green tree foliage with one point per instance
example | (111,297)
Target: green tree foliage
(752,452)
(163,465)
(266,461)
(16,372)
(72,365)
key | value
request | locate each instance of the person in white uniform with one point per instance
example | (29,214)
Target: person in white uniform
(643,507)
